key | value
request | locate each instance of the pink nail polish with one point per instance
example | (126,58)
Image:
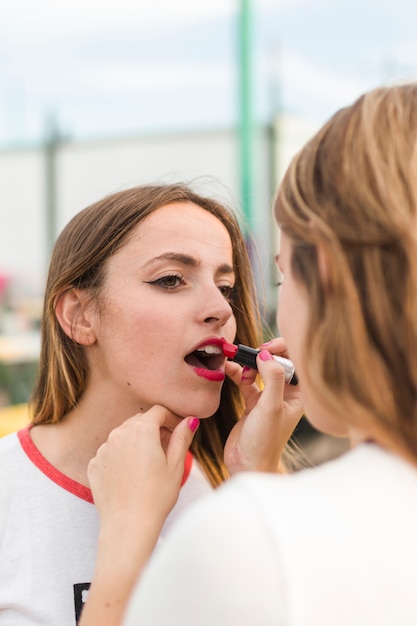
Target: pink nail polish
(266,343)
(193,424)
(245,370)
(264,355)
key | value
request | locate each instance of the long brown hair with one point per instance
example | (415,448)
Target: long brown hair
(78,260)
(349,197)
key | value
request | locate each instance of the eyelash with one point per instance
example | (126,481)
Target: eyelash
(227,291)
(159,282)
(230,296)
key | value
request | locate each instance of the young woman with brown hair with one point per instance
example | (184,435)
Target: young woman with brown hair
(143,289)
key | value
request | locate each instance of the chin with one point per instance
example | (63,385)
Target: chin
(201,410)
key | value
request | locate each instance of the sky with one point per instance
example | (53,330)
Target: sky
(98,69)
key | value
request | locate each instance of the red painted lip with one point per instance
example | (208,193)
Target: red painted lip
(211,341)
(217,375)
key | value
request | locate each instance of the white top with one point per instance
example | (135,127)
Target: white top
(48,535)
(331,546)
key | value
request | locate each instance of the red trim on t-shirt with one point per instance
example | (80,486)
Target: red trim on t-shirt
(187,468)
(64,481)
(49,470)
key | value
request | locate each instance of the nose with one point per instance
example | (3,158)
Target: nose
(215,308)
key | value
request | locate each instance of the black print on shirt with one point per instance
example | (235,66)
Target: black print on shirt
(80,598)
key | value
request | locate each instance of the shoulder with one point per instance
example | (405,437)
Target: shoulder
(216,563)
(8,441)
(10,450)
(363,477)
(263,514)
(12,460)
(255,543)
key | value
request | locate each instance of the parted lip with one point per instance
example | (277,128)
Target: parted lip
(210,341)
(199,359)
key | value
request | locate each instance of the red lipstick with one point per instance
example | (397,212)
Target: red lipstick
(247,356)
(207,359)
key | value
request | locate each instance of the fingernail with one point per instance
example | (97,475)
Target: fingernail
(193,423)
(266,343)
(264,355)
(245,370)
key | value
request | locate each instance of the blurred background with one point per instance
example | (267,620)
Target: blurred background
(98,96)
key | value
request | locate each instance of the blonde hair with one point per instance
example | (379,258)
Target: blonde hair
(78,260)
(348,200)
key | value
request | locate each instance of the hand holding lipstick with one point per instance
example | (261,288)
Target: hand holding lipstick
(246,356)
(257,441)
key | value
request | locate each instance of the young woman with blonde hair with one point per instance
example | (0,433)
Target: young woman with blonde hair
(334,544)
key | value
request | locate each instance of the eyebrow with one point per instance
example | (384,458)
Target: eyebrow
(186,259)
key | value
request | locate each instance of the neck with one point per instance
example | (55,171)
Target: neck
(385,439)
(71,443)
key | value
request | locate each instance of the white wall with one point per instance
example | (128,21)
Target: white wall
(21,212)
(87,171)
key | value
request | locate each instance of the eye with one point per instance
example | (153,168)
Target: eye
(171,281)
(228,292)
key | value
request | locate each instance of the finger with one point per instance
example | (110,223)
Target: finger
(157,420)
(248,387)
(248,375)
(142,431)
(161,417)
(273,375)
(238,374)
(276,346)
(233,371)
(180,441)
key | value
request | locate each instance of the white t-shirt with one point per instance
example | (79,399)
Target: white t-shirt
(331,546)
(48,535)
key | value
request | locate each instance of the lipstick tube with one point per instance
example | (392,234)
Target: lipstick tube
(244,355)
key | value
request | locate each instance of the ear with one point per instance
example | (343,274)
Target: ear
(75,312)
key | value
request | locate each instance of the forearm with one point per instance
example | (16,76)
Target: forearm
(135,483)
(122,554)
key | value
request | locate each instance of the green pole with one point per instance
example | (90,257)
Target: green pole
(245,106)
